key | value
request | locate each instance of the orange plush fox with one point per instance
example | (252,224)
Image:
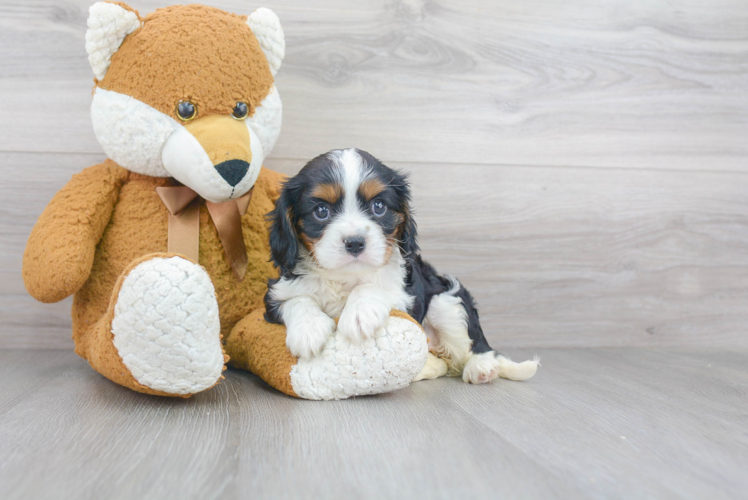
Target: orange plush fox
(165,245)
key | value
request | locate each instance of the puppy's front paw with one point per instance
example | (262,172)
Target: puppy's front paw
(307,338)
(361,320)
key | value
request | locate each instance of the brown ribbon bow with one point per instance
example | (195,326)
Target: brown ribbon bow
(183,205)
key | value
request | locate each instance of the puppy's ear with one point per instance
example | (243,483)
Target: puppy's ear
(284,241)
(407,233)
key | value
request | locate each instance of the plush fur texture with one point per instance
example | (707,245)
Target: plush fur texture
(191,52)
(203,57)
(345,243)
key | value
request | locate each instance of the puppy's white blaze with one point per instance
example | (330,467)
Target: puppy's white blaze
(353,173)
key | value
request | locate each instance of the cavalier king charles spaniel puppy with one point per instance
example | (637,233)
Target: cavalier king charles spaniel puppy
(344,240)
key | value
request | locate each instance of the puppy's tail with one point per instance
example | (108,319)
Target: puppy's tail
(517,371)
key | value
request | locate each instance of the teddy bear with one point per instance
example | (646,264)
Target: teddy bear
(165,244)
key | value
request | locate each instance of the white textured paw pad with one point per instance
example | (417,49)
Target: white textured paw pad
(166,326)
(388,361)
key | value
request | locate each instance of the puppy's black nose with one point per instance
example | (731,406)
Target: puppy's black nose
(355,245)
(233,171)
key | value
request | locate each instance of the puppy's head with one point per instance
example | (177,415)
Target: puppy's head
(346,210)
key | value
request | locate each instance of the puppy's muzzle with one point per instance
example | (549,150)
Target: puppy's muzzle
(355,245)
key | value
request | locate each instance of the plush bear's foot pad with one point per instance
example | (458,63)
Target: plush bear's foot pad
(387,362)
(166,326)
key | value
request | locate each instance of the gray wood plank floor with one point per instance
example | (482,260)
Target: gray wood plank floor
(594,423)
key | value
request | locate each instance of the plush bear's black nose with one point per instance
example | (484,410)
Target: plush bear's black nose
(355,245)
(233,171)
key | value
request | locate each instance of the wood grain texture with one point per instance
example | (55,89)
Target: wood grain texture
(600,423)
(555,257)
(588,83)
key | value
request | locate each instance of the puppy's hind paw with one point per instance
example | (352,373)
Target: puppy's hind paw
(481,368)
(486,367)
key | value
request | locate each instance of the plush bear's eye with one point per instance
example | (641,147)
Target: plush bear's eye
(241,110)
(186,111)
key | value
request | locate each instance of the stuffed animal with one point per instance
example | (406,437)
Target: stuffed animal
(165,244)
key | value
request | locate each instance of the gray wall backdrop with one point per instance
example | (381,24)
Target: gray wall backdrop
(582,166)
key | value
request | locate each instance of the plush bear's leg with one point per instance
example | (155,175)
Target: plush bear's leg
(161,332)
(387,362)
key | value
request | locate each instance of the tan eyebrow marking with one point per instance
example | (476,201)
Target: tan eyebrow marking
(331,193)
(370,188)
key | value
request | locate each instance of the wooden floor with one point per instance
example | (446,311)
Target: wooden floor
(594,423)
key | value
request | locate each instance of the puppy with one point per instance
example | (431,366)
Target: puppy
(344,240)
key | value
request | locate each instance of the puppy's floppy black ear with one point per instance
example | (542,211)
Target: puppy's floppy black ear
(284,241)
(408,233)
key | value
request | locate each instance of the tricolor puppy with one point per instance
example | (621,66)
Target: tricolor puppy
(344,240)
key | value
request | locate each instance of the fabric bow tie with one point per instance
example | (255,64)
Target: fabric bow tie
(183,205)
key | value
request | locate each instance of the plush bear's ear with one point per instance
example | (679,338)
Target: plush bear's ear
(108,25)
(267,28)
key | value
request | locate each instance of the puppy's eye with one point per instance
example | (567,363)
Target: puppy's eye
(241,110)
(321,213)
(378,208)
(186,111)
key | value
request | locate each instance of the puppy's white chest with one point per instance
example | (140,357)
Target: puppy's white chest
(335,295)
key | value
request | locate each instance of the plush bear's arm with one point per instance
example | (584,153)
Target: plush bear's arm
(60,250)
